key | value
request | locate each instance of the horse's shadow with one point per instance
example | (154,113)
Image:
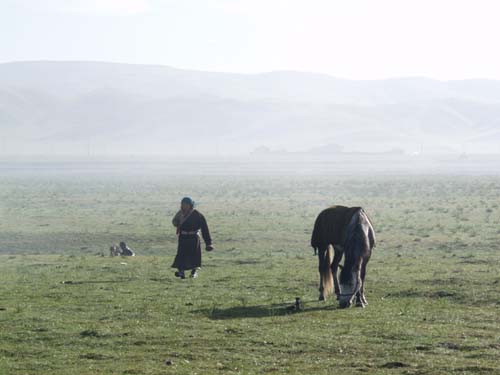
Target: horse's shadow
(260,311)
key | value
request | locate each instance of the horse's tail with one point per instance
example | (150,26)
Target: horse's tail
(316,237)
(326,271)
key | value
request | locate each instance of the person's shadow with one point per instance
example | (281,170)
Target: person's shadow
(261,311)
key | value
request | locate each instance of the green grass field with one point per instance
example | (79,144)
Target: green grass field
(433,283)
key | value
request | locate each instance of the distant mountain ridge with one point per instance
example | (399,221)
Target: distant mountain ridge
(108,108)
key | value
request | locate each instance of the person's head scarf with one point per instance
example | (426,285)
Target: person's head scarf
(188,200)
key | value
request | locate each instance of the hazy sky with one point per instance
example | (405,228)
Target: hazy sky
(361,39)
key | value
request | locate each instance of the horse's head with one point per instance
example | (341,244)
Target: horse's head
(350,283)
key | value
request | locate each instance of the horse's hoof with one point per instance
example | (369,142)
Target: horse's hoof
(321,298)
(360,304)
(337,297)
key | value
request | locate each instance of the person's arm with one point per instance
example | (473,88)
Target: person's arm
(205,233)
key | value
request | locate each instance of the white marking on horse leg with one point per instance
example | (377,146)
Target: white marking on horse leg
(363,298)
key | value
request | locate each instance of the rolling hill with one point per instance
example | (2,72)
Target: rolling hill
(107,108)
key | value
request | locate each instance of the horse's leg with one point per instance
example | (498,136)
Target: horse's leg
(321,289)
(359,293)
(360,297)
(363,297)
(335,266)
(320,269)
(371,241)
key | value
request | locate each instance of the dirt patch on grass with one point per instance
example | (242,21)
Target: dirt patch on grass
(95,356)
(89,333)
(395,364)
(462,348)
(449,345)
(475,261)
(477,369)
(242,262)
(423,348)
(405,294)
(414,293)
(443,294)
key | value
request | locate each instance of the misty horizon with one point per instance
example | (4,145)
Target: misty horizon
(105,109)
(261,72)
(107,78)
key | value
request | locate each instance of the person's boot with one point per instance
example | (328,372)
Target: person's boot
(180,274)
(194,273)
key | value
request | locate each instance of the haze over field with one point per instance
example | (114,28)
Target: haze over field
(82,108)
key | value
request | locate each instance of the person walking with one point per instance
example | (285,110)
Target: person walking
(189,223)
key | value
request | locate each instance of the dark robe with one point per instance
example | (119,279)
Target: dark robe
(189,247)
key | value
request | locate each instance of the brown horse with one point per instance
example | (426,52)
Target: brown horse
(340,230)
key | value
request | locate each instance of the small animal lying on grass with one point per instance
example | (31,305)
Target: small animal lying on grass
(122,250)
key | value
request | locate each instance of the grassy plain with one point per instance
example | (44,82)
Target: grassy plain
(433,284)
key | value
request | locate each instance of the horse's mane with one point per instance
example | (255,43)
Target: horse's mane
(355,244)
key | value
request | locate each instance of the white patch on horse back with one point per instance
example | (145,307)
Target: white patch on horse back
(368,227)
(354,219)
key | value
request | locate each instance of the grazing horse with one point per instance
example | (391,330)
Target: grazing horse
(122,249)
(339,231)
